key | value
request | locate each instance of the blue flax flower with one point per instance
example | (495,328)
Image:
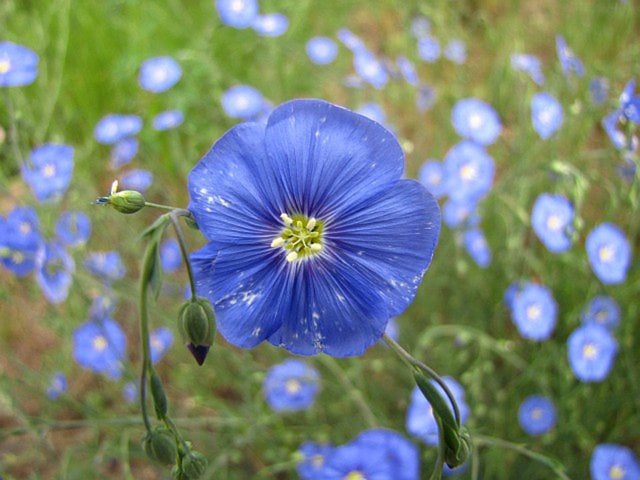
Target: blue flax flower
(18,65)
(614,462)
(115,127)
(609,253)
(291,386)
(57,386)
(370,68)
(456,51)
(476,245)
(546,114)
(458,213)
(312,459)
(476,120)
(350,40)
(315,240)
(428,48)
(400,454)
(106,265)
(537,415)
(49,172)
(569,62)
(592,351)
(373,111)
(270,25)
(322,50)
(529,64)
(602,310)
(54,272)
(599,90)
(552,221)
(20,240)
(136,179)
(242,101)
(356,461)
(159,74)
(431,176)
(170,255)
(420,420)
(408,71)
(100,346)
(160,341)
(102,306)
(534,312)
(123,152)
(469,171)
(168,120)
(237,13)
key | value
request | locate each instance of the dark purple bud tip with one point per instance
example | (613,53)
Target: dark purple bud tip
(199,352)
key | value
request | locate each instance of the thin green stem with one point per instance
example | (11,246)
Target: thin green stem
(185,255)
(144,334)
(172,426)
(356,394)
(13,133)
(482,440)
(415,363)
(159,205)
(437,469)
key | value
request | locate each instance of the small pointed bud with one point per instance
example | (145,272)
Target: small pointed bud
(127,201)
(198,327)
(160,446)
(194,464)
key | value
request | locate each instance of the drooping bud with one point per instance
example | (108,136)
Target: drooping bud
(198,327)
(158,395)
(127,201)
(160,446)
(194,464)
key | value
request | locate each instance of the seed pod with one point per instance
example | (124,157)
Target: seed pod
(160,446)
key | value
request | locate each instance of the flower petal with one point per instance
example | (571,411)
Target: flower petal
(324,158)
(229,201)
(390,240)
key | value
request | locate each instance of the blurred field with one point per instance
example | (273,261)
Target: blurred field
(90,53)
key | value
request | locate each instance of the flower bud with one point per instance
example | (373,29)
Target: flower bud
(127,201)
(198,327)
(194,465)
(160,446)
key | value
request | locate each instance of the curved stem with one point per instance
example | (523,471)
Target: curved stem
(159,205)
(183,250)
(481,440)
(415,363)
(144,336)
(437,470)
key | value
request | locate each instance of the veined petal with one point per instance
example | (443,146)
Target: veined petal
(392,251)
(333,310)
(325,158)
(247,289)
(229,201)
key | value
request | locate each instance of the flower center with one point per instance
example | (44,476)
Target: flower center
(301,237)
(25,228)
(156,343)
(616,472)
(17,257)
(545,116)
(533,312)
(48,171)
(554,223)
(589,351)
(468,172)
(601,316)
(99,343)
(536,413)
(475,121)
(5,65)
(606,253)
(317,460)
(355,475)
(292,386)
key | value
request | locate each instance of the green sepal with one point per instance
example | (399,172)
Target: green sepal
(194,464)
(160,446)
(159,397)
(197,322)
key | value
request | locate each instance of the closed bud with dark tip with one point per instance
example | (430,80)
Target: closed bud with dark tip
(198,327)
(127,201)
